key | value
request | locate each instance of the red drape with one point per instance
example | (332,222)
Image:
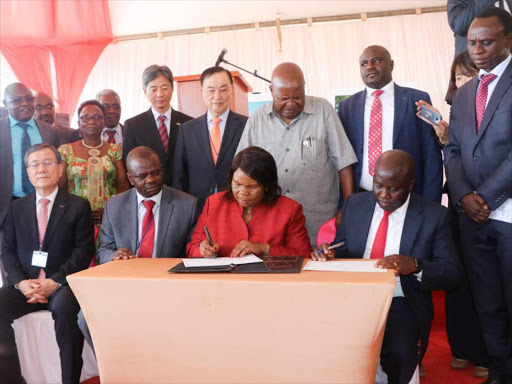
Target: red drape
(74,31)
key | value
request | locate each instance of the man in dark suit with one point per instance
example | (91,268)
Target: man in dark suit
(383,117)
(462,12)
(18,132)
(49,234)
(206,145)
(478,162)
(125,227)
(45,112)
(158,127)
(407,233)
(113,131)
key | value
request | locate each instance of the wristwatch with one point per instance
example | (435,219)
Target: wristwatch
(419,265)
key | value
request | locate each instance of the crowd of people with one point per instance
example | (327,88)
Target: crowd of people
(265,184)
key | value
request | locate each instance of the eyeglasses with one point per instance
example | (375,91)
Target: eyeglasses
(116,107)
(86,118)
(19,100)
(48,107)
(46,164)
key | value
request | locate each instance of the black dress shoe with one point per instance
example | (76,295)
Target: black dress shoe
(494,381)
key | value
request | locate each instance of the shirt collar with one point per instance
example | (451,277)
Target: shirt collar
(223,117)
(389,88)
(308,108)
(497,70)
(401,211)
(50,197)
(14,122)
(157,198)
(157,114)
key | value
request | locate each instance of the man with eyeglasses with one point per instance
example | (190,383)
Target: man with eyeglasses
(113,131)
(45,112)
(18,132)
(206,145)
(48,235)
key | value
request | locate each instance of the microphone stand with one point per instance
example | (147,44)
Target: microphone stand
(255,73)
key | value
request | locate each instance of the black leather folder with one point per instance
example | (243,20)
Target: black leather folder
(271,264)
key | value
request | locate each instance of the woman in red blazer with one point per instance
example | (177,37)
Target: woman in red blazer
(251,216)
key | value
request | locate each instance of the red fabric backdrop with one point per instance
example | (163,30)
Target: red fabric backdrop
(74,31)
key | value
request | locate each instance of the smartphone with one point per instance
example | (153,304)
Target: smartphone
(430,115)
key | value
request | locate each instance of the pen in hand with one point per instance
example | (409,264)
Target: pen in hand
(209,238)
(337,245)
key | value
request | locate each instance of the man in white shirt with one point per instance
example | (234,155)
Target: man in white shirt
(410,234)
(383,117)
(48,235)
(113,131)
(158,127)
(478,162)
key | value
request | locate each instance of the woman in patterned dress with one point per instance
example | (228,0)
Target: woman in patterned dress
(94,169)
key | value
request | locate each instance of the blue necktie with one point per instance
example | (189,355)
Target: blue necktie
(25,145)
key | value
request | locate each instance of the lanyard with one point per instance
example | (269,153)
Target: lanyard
(144,234)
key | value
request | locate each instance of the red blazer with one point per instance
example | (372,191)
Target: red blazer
(280,225)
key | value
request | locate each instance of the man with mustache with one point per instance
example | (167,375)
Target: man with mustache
(18,132)
(478,162)
(45,112)
(383,117)
(113,131)
(308,143)
(148,221)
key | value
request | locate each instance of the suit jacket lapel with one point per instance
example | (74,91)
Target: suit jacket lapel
(203,139)
(400,108)
(174,129)
(360,102)
(503,84)
(362,224)
(413,220)
(229,133)
(131,219)
(60,206)
(166,208)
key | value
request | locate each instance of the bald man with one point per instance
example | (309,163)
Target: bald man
(45,112)
(308,143)
(407,233)
(383,117)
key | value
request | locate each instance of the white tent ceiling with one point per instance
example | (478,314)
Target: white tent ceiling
(137,17)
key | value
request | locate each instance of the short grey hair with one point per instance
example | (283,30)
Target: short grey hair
(40,147)
(107,92)
(153,71)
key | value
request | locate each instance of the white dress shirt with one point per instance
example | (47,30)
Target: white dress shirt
(118,135)
(388,117)
(394,236)
(498,71)
(141,212)
(167,121)
(222,124)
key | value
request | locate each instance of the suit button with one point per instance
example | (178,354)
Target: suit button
(287,149)
(286,170)
(476,158)
(287,191)
(287,128)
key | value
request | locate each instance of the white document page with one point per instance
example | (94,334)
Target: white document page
(503,213)
(199,262)
(343,266)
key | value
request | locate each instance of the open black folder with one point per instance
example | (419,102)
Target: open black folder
(271,264)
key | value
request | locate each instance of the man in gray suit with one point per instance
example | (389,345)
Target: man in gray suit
(131,230)
(18,132)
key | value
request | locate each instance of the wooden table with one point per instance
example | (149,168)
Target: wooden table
(150,326)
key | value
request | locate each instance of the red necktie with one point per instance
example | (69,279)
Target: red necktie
(375,132)
(215,139)
(481,97)
(162,130)
(148,231)
(379,243)
(42,223)
(111,133)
